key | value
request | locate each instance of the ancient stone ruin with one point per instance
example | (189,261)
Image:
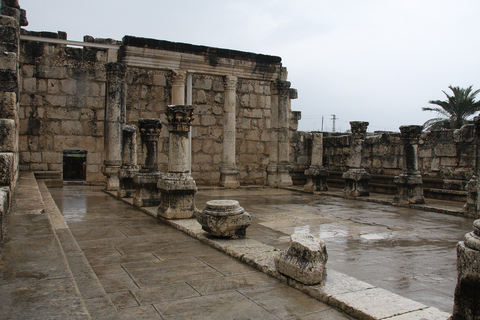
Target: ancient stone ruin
(304,260)
(224,218)
(467,299)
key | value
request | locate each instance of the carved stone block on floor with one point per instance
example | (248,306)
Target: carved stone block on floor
(304,260)
(224,218)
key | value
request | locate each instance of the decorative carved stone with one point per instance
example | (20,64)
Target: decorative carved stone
(224,218)
(179,118)
(356,178)
(467,298)
(304,260)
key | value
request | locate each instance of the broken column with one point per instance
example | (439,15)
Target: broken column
(304,260)
(228,170)
(467,298)
(145,182)
(114,120)
(129,168)
(279,167)
(224,218)
(316,173)
(178,186)
(409,182)
(356,178)
(472,205)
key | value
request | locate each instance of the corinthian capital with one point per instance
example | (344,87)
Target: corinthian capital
(179,77)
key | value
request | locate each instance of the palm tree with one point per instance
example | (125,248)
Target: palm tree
(454,111)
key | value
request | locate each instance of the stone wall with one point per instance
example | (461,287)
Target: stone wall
(11,18)
(447,156)
(62,105)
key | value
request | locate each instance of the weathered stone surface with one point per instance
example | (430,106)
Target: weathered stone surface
(224,218)
(356,183)
(304,260)
(177,196)
(467,300)
(146,192)
(8,135)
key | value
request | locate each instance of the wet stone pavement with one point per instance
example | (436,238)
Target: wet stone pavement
(406,251)
(152,271)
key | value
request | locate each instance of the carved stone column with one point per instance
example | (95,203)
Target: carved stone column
(178,186)
(228,170)
(279,167)
(114,120)
(178,87)
(129,168)
(146,191)
(472,205)
(467,300)
(409,182)
(316,173)
(356,178)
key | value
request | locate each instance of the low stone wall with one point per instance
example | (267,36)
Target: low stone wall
(446,158)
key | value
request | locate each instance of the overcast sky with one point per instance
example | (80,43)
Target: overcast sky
(362,60)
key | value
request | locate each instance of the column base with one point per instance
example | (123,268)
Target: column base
(127,187)
(409,189)
(316,179)
(146,192)
(279,176)
(356,183)
(178,196)
(471,206)
(111,172)
(229,177)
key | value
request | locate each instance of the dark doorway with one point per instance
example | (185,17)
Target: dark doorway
(74,165)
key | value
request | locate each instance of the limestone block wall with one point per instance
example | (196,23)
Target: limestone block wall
(62,105)
(11,18)
(448,155)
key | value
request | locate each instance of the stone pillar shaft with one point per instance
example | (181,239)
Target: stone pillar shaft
(146,191)
(409,182)
(472,206)
(228,170)
(356,178)
(114,120)
(129,167)
(178,187)
(178,87)
(316,173)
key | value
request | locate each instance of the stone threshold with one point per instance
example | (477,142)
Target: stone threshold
(357,298)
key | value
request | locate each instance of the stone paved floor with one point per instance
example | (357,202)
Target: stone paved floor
(406,251)
(151,271)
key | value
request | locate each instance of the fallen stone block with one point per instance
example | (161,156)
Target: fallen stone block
(224,218)
(304,260)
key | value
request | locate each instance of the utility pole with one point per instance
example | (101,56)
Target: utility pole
(322,124)
(333,122)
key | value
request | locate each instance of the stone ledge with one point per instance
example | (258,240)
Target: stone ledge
(355,297)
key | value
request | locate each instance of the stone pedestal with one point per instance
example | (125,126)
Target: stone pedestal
(409,182)
(146,192)
(316,174)
(224,218)
(304,260)
(356,178)
(228,170)
(178,186)
(467,298)
(472,206)
(115,109)
(129,167)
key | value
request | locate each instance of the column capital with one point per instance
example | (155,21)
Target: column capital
(410,134)
(149,129)
(283,87)
(231,83)
(179,77)
(359,129)
(179,117)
